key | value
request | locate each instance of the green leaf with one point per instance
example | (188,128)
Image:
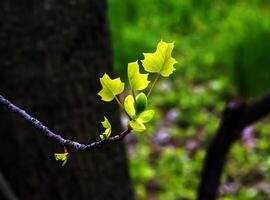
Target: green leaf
(137,81)
(61,157)
(137,126)
(129,106)
(161,61)
(141,102)
(106,123)
(110,88)
(106,134)
(146,116)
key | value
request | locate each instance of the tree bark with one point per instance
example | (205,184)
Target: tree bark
(52,54)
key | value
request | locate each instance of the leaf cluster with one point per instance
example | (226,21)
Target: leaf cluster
(135,105)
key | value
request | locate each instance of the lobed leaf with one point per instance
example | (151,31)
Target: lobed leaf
(161,61)
(61,157)
(137,81)
(110,87)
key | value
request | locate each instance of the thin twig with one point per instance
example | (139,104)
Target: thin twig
(65,142)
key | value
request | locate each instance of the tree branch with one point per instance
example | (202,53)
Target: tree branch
(236,117)
(65,142)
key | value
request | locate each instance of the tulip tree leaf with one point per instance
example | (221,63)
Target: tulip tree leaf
(145,116)
(61,157)
(129,106)
(137,126)
(160,61)
(110,88)
(137,81)
(106,134)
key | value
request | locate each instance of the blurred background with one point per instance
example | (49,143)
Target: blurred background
(222,48)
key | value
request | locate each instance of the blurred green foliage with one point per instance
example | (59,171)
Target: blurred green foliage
(223,51)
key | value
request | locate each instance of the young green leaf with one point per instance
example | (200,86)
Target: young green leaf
(129,106)
(137,126)
(61,157)
(161,61)
(106,134)
(137,81)
(110,88)
(145,116)
(106,123)
(141,102)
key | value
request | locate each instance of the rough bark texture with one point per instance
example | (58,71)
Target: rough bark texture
(51,55)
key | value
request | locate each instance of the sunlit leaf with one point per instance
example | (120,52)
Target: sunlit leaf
(161,61)
(129,106)
(61,157)
(110,88)
(106,134)
(141,102)
(137,81)
(137,126)
(146,116)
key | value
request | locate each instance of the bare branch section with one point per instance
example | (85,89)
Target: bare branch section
(65,142)
(236,117)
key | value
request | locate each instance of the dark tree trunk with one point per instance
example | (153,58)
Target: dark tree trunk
(51,56)
(238,115)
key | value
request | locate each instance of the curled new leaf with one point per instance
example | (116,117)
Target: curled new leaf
(137,81)
(61,157)
(110,88)
(106,134)
(161,61)
(106,123)
(129,106)
(141,102)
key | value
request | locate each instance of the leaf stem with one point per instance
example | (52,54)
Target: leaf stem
(119,102)
(153,85)
(134,96)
